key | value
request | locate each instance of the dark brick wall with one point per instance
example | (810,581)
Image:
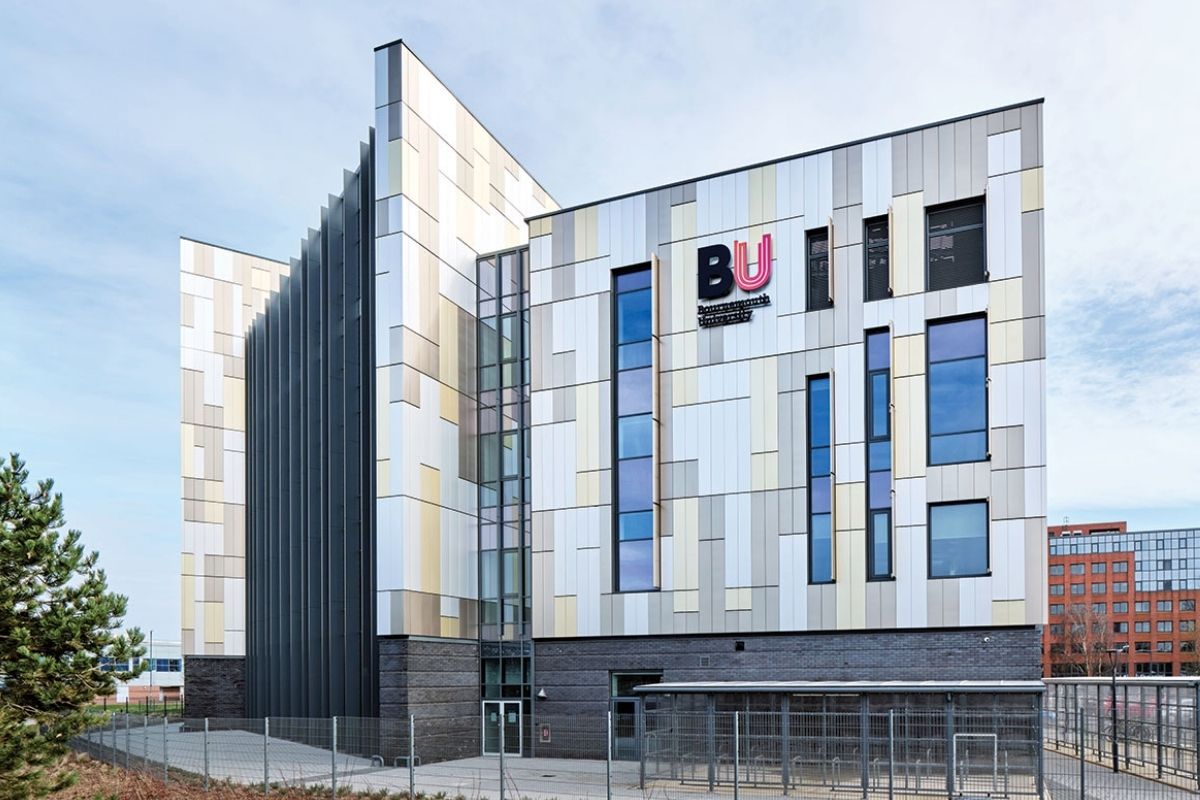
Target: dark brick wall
(437,681)
(214,686)
(575,673)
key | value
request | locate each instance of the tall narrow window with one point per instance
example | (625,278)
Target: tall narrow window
(818,270)
(879,456)
(634,439)
(957,391)
(876,280)
(820,482)
(955,243)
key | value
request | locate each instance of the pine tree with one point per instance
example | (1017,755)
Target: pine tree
(57,620)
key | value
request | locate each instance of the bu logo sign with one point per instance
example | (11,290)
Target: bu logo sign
(716,279)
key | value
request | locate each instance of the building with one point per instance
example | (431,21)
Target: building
(1112,588)
(162,680)
(471,455)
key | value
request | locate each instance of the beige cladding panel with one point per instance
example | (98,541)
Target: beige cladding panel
(733,414)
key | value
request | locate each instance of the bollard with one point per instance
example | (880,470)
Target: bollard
(412,753)
(166,777)
(333,757)
(266,760)
(737,755)
(608,759)
(206,754)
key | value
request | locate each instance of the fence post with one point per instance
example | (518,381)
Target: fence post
(1080,718)
(114,739)
(864,736)
(127,745)
(737,754)
(501,718)
(166,760)
(266,760)
(1158,730)
(206,754)
(608,757)
(891,753)
(412,752)
(710,723)
(1195,732)
(145,741)
(785,750)
(951,756)
(640,725)
(333,757)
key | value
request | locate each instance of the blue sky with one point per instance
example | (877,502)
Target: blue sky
(125,126)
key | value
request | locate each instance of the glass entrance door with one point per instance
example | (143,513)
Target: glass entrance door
(502,715)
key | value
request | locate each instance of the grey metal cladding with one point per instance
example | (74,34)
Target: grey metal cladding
(310,630)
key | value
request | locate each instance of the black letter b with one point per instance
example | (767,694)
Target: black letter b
(714,277)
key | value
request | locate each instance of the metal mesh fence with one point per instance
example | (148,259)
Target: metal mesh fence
(659,753)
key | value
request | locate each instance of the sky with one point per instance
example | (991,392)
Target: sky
(124,126)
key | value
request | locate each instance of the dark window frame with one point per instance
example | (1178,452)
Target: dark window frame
(887,249)
(614,346)
(987,391)
(827,301)
(872,574)
(808,473)
(981,201)
(987,539)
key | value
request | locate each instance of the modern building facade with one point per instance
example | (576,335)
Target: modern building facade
(1115,589)
(509,461)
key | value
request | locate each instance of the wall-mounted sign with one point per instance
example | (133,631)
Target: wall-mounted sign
(544,733)
(715,279)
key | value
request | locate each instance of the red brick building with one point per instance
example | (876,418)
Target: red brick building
(1109,587)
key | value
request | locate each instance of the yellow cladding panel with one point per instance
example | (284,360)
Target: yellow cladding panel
(1031,190)
(186,442)
(1006,342)
(587,488)
(910,356)
(448,403)
(851,566)
(448,344)
(187,596)
(1008,612)
(908,248)
(234,401)
(383,428)
(187,564)
(1004,300)
(431,533)
(587,429)
(565,616)
(764,405)
(687,600)
(214,623)
(849,505)
(737,599)
(764,471)
(909,437)
(450,627)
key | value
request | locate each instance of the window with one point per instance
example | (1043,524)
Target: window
(1142,606)
(1141,627)
(1056,569)
(1056,609)
(1164,605)
(1099,568)
(820,482)
(1164,626)
(1056,648)
(1056,589)
(955,243)
(876,280)
(879,456)
(1187,626)
(1165,647)
(1078,569)
(1076,589)
(1120,566)
(1120,587)
(1187,605)
(818,270)
(1099,608)
(634,476)
(958,539)
(957,391)
(1099,588)
(1141,647)
(1056,629)
(1121,608)
(1120,627)
(1187,647)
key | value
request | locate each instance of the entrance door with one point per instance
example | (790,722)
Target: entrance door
(627,711)
(501,715)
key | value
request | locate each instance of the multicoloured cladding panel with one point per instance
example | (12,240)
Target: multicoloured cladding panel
(221,292)
(446,192)
(731,549)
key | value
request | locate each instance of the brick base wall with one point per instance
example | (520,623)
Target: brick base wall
(214,686)
(437,681)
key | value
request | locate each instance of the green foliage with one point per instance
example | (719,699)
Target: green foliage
(57,619)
